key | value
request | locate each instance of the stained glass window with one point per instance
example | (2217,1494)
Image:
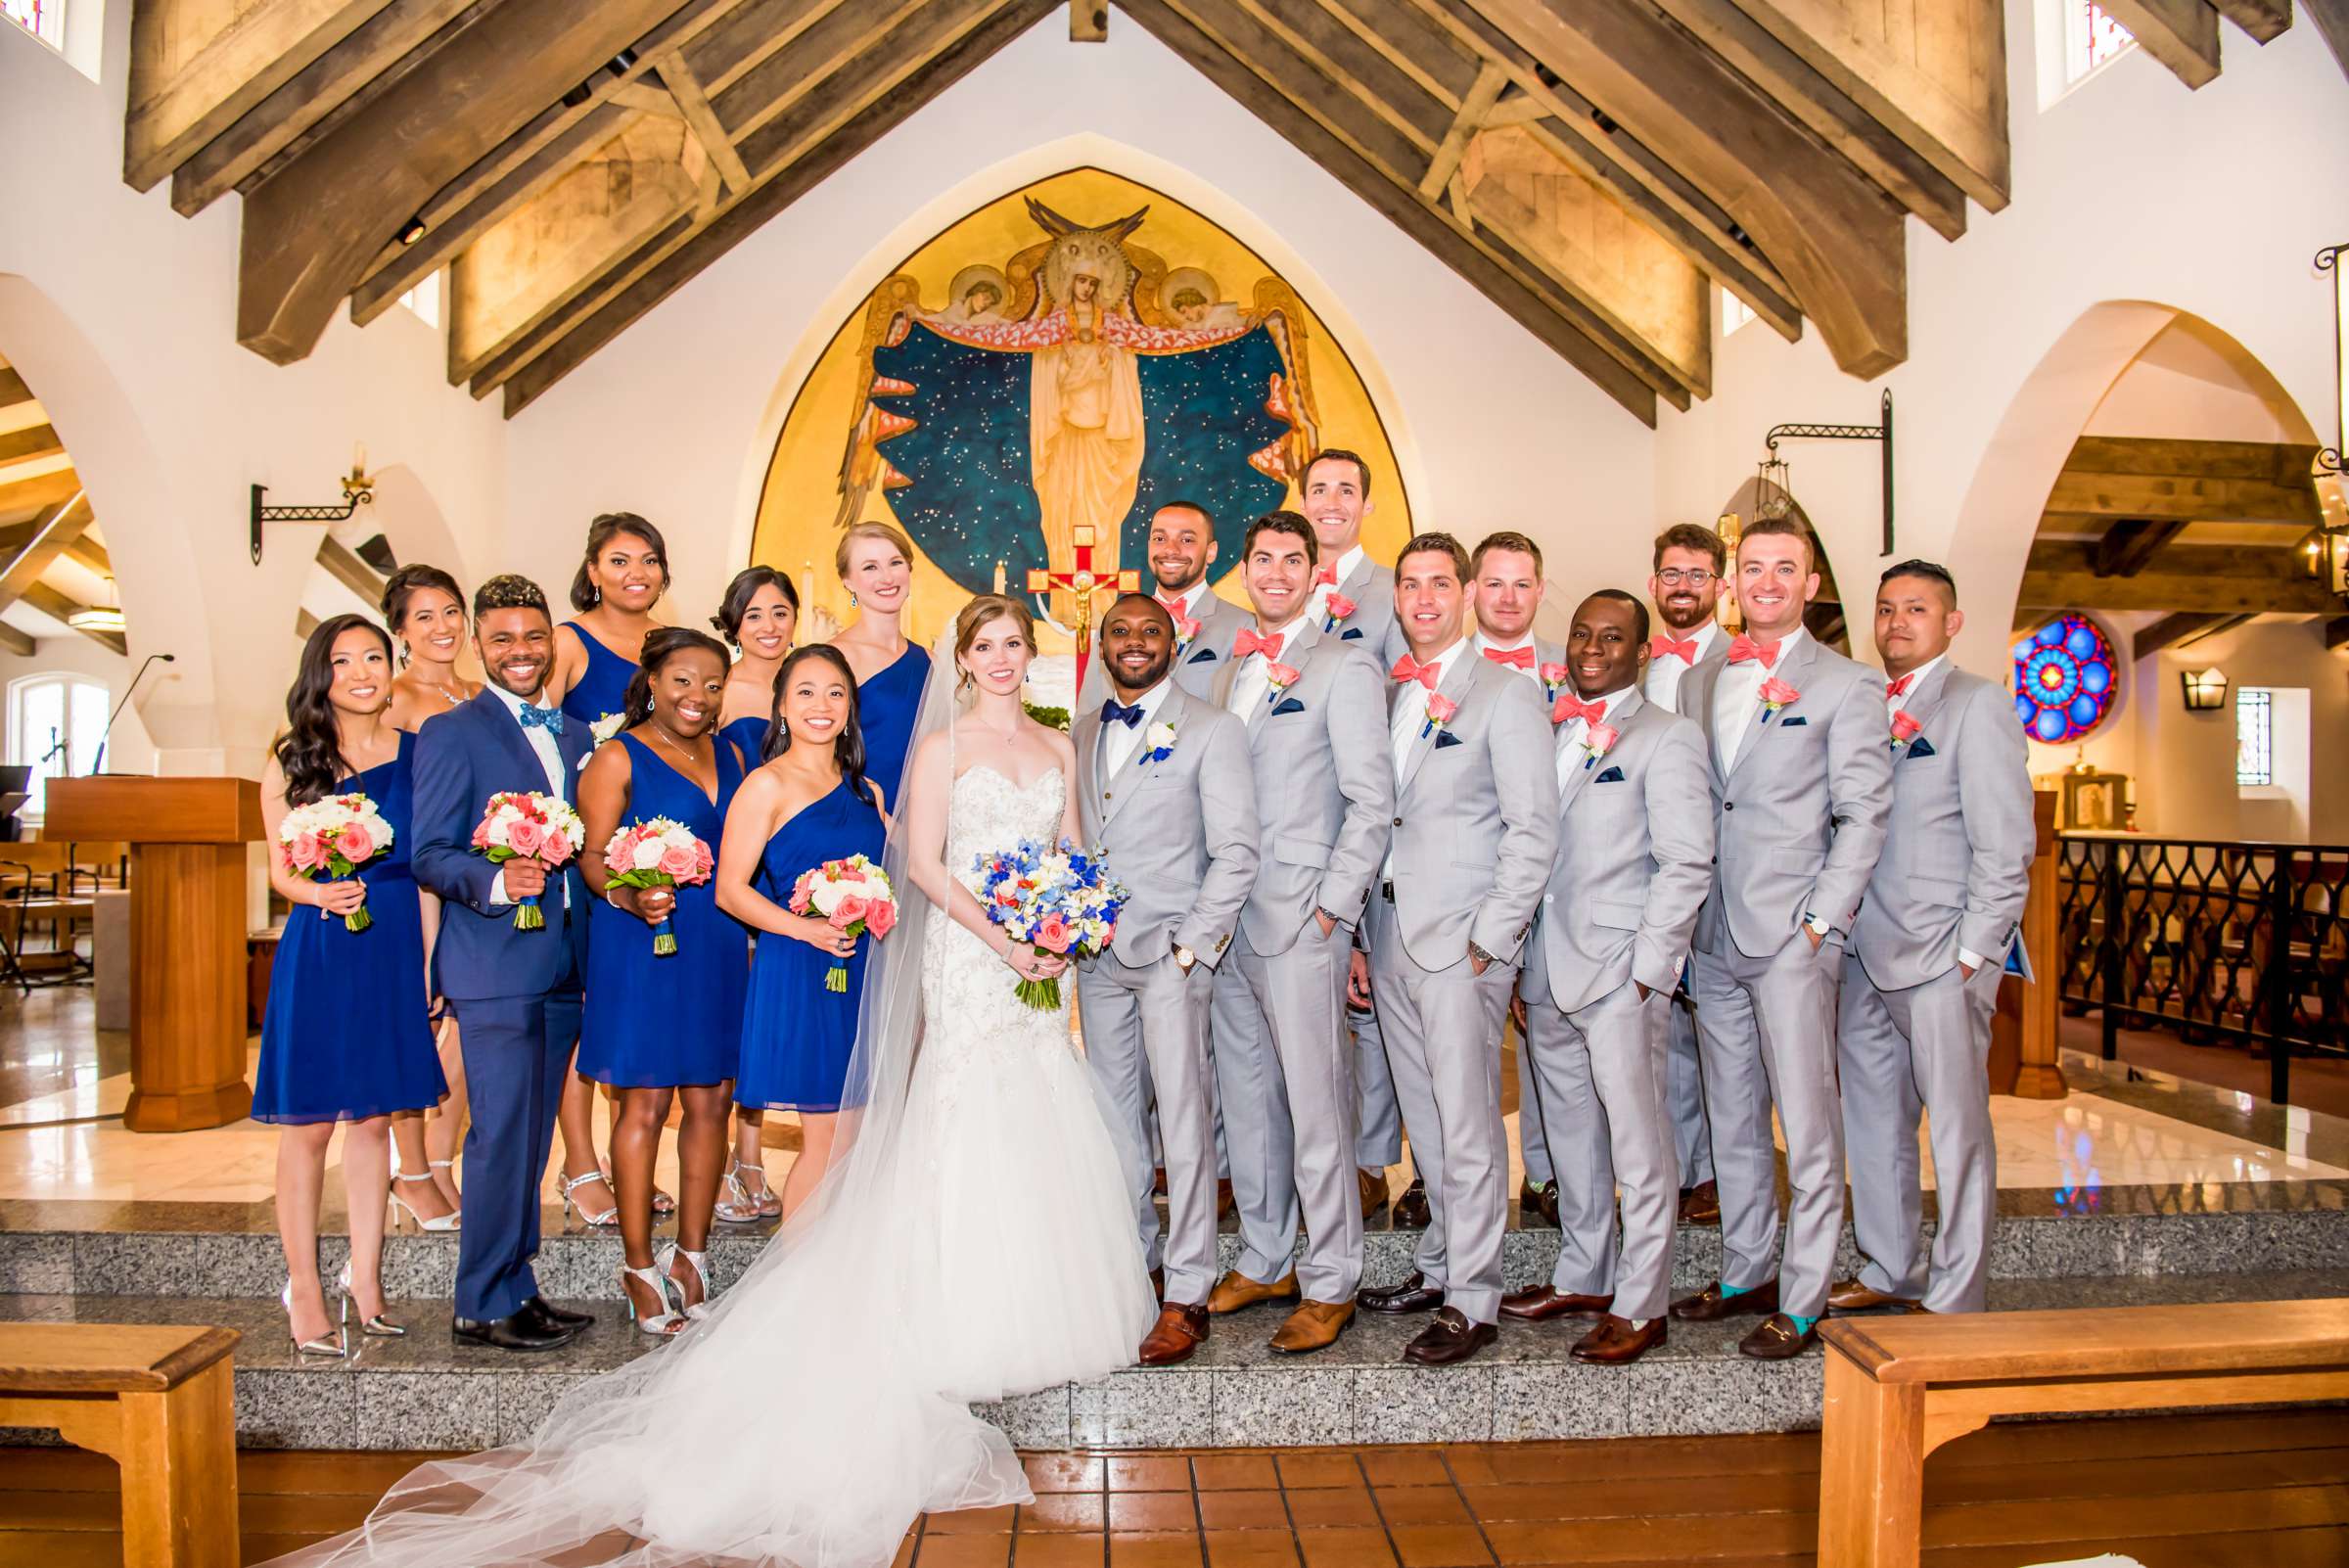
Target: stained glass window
(40,17)
(2254,737)
(2091,40)
(2066,677)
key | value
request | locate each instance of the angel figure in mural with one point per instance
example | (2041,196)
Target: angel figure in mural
(1081,384)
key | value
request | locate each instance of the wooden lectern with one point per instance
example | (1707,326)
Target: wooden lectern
(188,924)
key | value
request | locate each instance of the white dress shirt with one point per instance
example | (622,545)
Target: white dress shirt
(550,757)
(1737,700)
(1408,718)
(1252,680)
(1532,671)
(1119,742)
(1575,731)
(1318,605)
(1664,671)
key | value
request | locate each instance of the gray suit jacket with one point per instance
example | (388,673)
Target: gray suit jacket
(1196,665)
(1635,861)
(1371,587)
(1957,864)
(1180,832)
(1800,819)
(1476,816)
(1324,786)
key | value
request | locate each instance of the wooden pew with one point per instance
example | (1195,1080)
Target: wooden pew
(157,1400)
(1898,1388)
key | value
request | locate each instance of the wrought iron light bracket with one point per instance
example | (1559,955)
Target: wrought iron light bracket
(2328,260)
(1847,433)
(358,489)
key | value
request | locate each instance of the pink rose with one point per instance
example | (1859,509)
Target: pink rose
(1904,727)
(881,917)
(1775,693)
(1052,934)
(1553,676)
(553,848)
(678,862)
(799,897)
(1185,629)
(526,837)
(851,909)
(1440,708)
(702,861)
(1599,738)
(1339,608)
(1282,674)
(356,844)
(305,852)
(480,834)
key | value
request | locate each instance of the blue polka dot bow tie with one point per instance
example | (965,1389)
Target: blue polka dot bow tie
(549,720)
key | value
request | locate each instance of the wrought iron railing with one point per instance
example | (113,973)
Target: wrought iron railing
(2217,940)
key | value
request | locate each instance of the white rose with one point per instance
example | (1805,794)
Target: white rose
(1158,737)
(647,855)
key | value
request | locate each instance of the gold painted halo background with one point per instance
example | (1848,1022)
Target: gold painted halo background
(831,465)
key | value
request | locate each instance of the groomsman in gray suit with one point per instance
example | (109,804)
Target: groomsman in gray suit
(1505,582)
(1284,1068)
(1801,784)
(1163,788)
(1181,548)
(1685,589)
(1475,826)
(1942,913)
(1635,861)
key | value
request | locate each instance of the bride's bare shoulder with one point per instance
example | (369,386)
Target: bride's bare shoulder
(1064,749)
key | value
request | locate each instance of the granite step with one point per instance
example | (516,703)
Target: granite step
(426,1392)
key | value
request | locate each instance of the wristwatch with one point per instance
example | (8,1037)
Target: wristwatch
(1184,957)
(1476,950)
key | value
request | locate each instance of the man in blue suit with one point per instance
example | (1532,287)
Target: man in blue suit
(515,993)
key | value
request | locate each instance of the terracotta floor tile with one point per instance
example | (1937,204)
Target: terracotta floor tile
(1054,1512)
(1149,1472)
(1333,1506)
(1421,1505)
(1472,1465)
(1440,1546)
(1405,1467)
(971,1522)
(1231,1472)
(1546,1540)
(963,1552)
(1345,1549)
(1153,1551)
(1153,1510)
(1341,1469)
(1251,1549)
(1062,1552)
(1242,1510)
(906,1547)
(1064,1472)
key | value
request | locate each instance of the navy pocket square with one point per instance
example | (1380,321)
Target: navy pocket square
(1921,747)
(1205,656)
(1288,705)
(1445,737)
(1349,634)
(1794,722)
(1613,775)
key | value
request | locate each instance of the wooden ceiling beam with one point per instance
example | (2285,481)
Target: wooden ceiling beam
(1474,109)
(346,568)
(2264,20)
(1831,233)
(17,642)
(2331,18)
(54,529)
(14,394)
(2166,498)
(1319,36)
(311,230)
(57,607)
(83,551)
(2207,578)
(834,43)
(2129,546)
(2171,631)
(2276,462)
(34,441)
(2182,35)
(747,34)
(1088,20)
(25,498)
(693,101)
(1442,64)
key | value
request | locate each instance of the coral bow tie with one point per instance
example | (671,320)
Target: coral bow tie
(1245,642)
(1658,647)
(1745,650)
(1900,687)
(1517,658)
(1408,669)
(1326,576)
(1570,708)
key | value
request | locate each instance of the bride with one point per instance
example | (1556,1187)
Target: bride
(971,1239)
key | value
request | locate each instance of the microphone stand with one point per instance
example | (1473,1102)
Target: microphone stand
(98,762)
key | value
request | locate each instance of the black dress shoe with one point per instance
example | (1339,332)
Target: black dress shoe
(541,1318)
(1413,1295)
(523,1331)
(1411,1207)
(563,1316)
(1451,1339)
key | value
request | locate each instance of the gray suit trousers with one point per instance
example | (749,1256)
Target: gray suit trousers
(1303,1085)
(1766,1028)
(1147,1026)
(1532,1132)
(1600,1072)
(1259,1139)
(1442,1036)
(1378,1120)
(1926,1048)
(1692,1138)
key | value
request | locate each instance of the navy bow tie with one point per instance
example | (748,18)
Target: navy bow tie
(549,720)
(1115,713)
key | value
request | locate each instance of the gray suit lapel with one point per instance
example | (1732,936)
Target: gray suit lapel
(1295,648)
(1579,775)
(1135,769)
(1085,736)
(1925,702)
(1791,669)
(1455,687)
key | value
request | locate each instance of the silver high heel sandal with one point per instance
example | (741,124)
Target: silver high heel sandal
(335,1348)
(571,1185)
(700,1274)
(737,1207)
(399,1206)
(377,1327)
(666,1323)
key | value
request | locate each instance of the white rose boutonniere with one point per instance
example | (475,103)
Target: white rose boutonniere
(604,728)
(1158,744)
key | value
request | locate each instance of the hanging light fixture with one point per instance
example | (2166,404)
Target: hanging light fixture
(107,617)
(2328,546)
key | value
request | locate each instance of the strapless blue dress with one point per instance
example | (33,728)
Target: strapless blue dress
(886,707)
(346,1033)
(797,1036)
(658,1023)
(603,686)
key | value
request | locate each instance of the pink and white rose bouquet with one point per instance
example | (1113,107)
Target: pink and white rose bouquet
(851,895)
(657,852)
(329,839)
(528,825)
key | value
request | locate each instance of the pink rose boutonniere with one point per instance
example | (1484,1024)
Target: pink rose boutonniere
(1554,681)
(1905,729)
(1282,678)
(1185,629)
(1597,740)
(1775,694)
(1440,709)
(1337,609)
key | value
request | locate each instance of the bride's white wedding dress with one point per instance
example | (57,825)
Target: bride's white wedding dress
(978,1244)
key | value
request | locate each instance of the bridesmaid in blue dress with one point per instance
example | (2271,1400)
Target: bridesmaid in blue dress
(759,615)
(346,1038)
(659,1029)
(810,803)
(876,562)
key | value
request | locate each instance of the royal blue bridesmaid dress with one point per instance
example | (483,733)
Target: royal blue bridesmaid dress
(346,1033)
(659,1023)
(749,733)
(796,1035)
(886,707)
(603,686)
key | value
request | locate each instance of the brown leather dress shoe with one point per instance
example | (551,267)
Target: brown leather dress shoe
(1225,1201)
(1179,1332)
(1236,1290)
(1314,1325)
(1776,1339)
(1700,1205)
(1413,1295)
(1374,1190)
(1411,1207)
(1710,1306)
(1850,1296)
(1541,1304)
(1615,1342)
(1450,1340)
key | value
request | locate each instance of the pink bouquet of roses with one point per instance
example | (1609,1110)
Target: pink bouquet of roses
(329,839)
(657,852)
(527,825)
(851,895)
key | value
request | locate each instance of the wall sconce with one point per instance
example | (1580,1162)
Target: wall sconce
(358,488)
(2205,690)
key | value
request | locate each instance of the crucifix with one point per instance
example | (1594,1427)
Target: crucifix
(1083,583)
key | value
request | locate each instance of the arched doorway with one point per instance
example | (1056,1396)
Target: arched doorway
(1825,617)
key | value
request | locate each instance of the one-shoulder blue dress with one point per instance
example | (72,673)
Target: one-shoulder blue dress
(886,707)
(346,1033)
(658,1023)
(603,686)
(749,733)
(796,1035)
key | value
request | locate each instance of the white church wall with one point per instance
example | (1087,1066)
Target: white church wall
(676,418)
(2186,779)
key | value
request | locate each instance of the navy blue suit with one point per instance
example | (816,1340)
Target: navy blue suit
(515,993)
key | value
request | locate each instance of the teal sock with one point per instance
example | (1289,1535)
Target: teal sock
(1728,1290)
(1802,1325)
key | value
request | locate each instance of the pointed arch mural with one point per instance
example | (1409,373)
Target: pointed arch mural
(1072,355)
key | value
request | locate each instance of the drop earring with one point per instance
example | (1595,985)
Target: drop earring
(851,601)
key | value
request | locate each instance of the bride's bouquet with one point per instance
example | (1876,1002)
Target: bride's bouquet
(1058,901)
(658,851)
(329,839)
(851,895)
(527,825)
